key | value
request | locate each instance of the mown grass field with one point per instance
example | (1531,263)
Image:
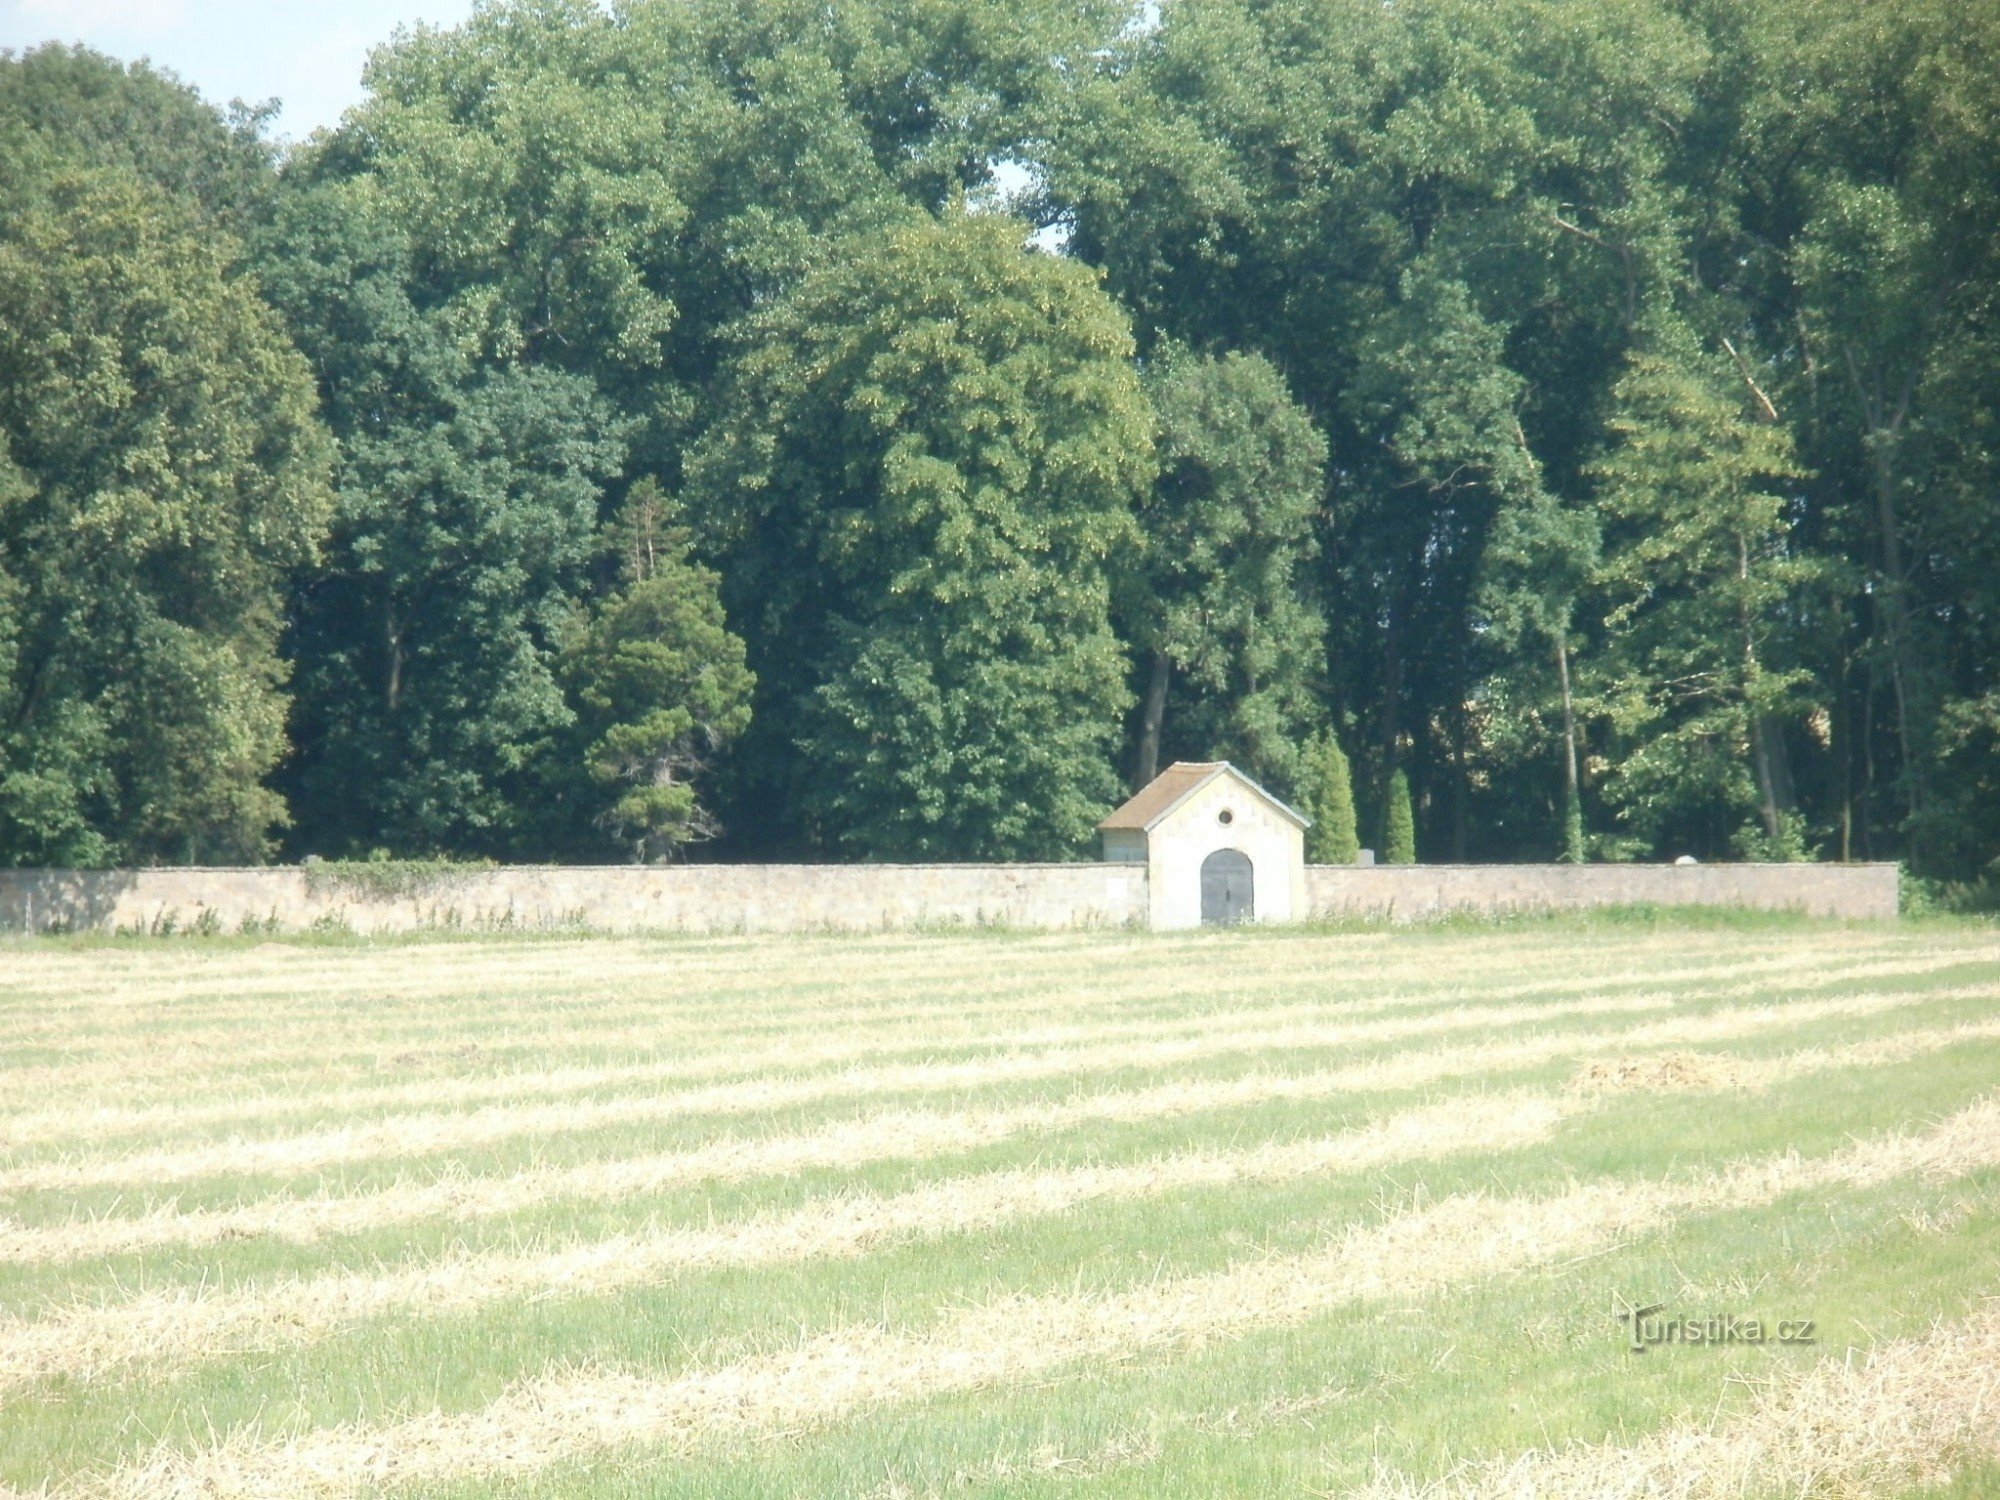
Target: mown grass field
(1243,1213)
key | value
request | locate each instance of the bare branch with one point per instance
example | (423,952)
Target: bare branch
(1764,405)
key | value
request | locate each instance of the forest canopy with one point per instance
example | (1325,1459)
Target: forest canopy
(892,428)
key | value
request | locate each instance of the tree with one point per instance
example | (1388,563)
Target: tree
(144,119)
(1399,823)
(1539,563)
(1695,570)
(1435,219)
(1431,303)
(659,686)
(427,649)
(927,460)
(161,470)
(1328,799)
(466,261)
(1217,596)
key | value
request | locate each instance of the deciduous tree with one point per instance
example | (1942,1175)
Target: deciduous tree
(1218,599)
(928,460)
(161,470)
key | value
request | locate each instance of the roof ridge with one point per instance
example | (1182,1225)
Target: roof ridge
(1144,809)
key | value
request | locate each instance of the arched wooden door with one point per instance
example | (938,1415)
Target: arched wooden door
(1228,888)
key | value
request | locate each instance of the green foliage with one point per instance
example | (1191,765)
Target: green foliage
(469,496)
(1217,598)
(161,471)
(1589,408)
(1924,896)
(928,457)
(1327,797)
(143,119)
(1538,568)
(1576,848)
(1399,823)
(1961,823)
(1788,845)
(1697,569)
(659,685)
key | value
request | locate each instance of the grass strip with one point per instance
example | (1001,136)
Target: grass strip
(568,1414)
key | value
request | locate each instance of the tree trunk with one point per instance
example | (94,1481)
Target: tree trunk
(1760,747)
(1897,613)
(392,639)
(1843,733)
(1152,716)
(1784,786)
(1885,420)
(1392,701)
(1868,766)
(1572,792)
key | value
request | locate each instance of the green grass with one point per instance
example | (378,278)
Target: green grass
(1412,1384)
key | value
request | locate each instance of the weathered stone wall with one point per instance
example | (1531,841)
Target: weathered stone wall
(629,898)
(795,898)
(1414,892)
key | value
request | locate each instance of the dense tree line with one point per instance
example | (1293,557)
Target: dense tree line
(893,428)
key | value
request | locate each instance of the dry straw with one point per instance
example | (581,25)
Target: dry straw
(174,1328)
(321,1040)
(168,1329)
(569,1415)
(403,1135)
(881,1136)
(1907,1414)
(732,1058)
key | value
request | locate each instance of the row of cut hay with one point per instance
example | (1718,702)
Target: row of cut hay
(421,1133)
(441,1080)
(418,991)
(72,982)
(171,1329)
(1907,1414)
(893,1135)
(85,1120)
(718,976)
(176,1328)
(830,1376)
(99,978)
(513,997)
(327,1033)
(79,1122)
(840,1041)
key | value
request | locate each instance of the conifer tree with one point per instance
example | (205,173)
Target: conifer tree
(1399,834)
(1328,786)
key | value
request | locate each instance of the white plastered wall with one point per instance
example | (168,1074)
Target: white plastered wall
(1179,842)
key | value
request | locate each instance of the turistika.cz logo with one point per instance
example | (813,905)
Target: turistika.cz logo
(1651,1327)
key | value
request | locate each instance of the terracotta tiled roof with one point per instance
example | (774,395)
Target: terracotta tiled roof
(1157,797)
(1171,787)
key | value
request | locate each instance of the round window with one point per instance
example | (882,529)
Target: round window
(1225,817)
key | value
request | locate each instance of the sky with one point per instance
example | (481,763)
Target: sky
(308,53)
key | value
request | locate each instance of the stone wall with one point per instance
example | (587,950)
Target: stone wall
(626,898)
(1413,892)
(856,898)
